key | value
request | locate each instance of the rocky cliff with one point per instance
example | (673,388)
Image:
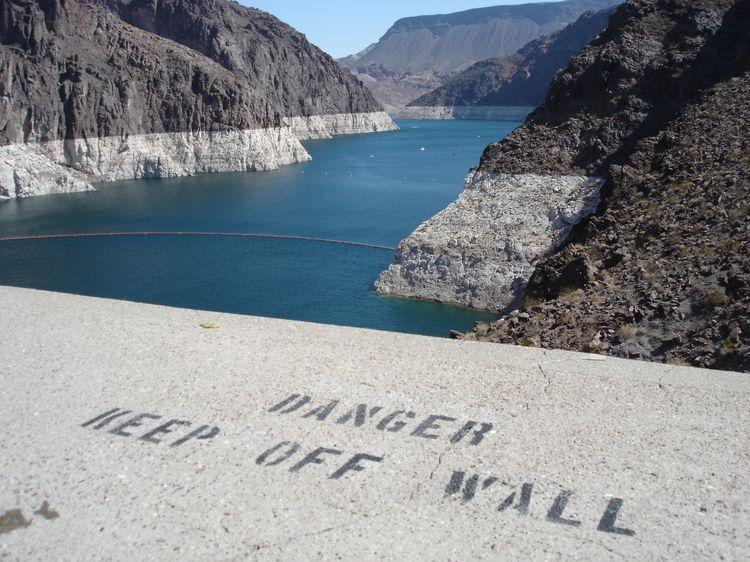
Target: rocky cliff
(657,107)
(94,90)
(418,54)
(520,80)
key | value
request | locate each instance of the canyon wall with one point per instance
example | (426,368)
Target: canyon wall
(96,90)
(518,81)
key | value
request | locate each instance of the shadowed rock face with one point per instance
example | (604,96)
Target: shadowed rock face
(658,105)
(99,68)
(523,78)
(421,53)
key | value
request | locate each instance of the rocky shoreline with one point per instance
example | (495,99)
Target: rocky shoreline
(327,126)
(33,169)
(102,90)
(481,251)
(479,113)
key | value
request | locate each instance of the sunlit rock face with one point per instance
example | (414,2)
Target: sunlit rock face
(76,165)
(482,249)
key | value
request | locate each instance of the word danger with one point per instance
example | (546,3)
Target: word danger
(434,426)
(174,432)
(465,487)
(292,455)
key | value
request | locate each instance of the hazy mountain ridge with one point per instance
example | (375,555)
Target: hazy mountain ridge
(523,78)
(421,53)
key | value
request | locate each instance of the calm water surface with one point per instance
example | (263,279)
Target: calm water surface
(364,188)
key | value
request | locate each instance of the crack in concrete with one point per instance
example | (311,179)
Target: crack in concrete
(421,484)
(547,379)
(294,538)
(665,389)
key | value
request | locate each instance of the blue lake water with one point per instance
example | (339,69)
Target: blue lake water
(363,188)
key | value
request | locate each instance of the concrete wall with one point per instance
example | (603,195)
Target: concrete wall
(131,432)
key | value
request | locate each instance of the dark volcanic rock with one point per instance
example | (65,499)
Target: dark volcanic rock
(95,68)
(523,78)
(659,105)
(652,60)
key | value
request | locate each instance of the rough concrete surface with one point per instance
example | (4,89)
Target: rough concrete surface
(587,457)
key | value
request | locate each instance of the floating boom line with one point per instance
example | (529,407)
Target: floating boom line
(218,234)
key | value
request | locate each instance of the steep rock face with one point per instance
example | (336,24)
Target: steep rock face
(652,60)
(656,106)
(86,81)
(662,272)
(523,78)
(419,54)
(481,250)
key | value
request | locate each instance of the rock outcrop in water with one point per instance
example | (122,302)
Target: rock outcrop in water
(419,54)
(657,106)
(481,250)
(96,90)
(519,82)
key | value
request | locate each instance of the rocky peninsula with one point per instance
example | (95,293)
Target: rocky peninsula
(656,107)
(481,250)
(95,90)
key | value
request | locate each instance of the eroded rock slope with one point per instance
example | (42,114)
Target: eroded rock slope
(662,272)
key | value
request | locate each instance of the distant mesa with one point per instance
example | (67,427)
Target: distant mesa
(419,54)
(509,87)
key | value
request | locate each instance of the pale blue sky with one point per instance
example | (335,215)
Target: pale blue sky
(343,27)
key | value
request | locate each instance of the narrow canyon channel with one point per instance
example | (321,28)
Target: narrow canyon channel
(368,189)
